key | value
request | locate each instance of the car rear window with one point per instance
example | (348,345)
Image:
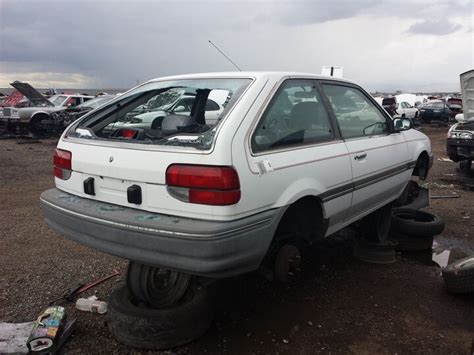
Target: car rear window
(178,112)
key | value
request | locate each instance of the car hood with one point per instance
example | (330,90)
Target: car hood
(31,93)
(463,126)
(461,118)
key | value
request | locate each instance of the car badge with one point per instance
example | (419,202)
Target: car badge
(111,159)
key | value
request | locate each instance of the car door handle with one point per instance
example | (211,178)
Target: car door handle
(360,156)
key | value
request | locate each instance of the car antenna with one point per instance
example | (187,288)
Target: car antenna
(226,57)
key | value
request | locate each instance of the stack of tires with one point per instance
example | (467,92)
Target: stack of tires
(159,309)
(414,230)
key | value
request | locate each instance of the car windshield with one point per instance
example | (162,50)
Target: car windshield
(179,112)
(94,103)
(57,100)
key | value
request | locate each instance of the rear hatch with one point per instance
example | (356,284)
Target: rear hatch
(118,158)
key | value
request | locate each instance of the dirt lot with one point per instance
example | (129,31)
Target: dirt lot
(341,305)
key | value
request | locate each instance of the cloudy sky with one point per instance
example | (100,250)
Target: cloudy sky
(411,45)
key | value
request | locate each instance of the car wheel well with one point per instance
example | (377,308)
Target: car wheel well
(422,166)
(303,220)
(38,116)
(35,123)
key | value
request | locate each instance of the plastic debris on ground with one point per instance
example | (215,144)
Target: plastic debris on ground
(13,337)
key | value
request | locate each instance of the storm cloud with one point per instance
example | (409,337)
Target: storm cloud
(108,43)
(434,27)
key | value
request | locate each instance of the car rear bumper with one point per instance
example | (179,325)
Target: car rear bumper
(200,247)
(460,149)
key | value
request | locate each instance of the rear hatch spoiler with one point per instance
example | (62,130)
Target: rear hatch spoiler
(31,93)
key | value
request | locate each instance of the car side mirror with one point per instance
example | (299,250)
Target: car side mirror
(401,124)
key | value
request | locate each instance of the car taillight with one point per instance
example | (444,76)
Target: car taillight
(128,133)
(62,164)
(203,184)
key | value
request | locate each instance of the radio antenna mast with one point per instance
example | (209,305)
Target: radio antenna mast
(226,57)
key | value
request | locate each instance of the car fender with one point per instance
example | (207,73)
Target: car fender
(29,112)
(298,189)
(417,143)
(40,112)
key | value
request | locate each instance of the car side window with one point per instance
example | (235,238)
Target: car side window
(356,115)
(295,116)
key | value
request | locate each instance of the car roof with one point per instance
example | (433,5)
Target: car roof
(276,75)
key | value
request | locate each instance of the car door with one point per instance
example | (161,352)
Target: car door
(379,158)
(296,151)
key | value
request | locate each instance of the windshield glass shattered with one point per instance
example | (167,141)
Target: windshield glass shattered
(179,112)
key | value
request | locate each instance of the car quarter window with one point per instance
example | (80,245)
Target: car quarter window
(296,115)
(356,115)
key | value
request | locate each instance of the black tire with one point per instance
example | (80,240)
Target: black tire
(416,223)
(157,329)
(36,126)
(459,276)
(409,243)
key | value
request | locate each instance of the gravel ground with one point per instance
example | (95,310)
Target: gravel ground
(340,305)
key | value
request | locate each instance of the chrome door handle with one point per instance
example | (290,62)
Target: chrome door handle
(360,156)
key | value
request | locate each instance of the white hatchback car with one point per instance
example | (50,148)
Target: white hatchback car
(291,156)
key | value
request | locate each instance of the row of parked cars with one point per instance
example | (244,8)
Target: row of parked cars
(49,115)
(44,115)
(432,109)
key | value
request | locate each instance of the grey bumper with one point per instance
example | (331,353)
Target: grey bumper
(200,247)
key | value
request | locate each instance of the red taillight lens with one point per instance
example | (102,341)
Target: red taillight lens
(217,198)
(62,164)
(128,133)
(202,176)
(207,185)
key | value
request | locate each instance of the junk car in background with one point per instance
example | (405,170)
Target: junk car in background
(59,120)
(400,109)
(460,140)
(27,115)
(435,111)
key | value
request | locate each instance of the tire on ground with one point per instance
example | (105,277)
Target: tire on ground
(416,223)
(459,276)
(148,328)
